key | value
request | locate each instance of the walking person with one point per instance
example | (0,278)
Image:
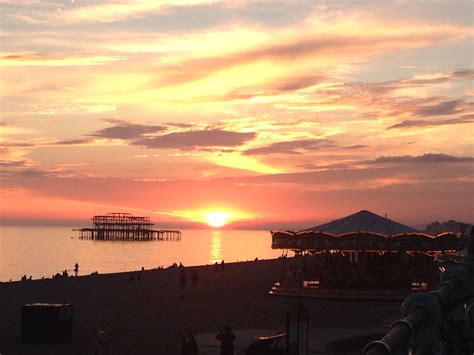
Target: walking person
(189,345)
(182,283)
(76,269)
(226,337)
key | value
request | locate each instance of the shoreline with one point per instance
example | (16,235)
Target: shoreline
(93,274)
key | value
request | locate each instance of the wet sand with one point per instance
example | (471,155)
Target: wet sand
(147,316)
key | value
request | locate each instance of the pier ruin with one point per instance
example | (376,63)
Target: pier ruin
(125,227)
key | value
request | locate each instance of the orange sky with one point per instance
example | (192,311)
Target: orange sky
(281,115)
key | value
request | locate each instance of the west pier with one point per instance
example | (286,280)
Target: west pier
(126,227)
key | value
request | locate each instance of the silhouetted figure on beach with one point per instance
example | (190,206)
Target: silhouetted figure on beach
(101,345)
(182,280)
(194,278)
(23,278)
(222,265)
(226,337)
(65,274)
(76,269)
(189,345)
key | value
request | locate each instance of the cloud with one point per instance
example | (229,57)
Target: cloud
(77,141)
(80,12)
(12,163)
(16,144)
(21,168)
(467,74)
(429,158)
(56,60)
(279,86)
(196,139)
(291,147)
(355,146)
(442,108)
(428,123)
(312,47)
(299,146)
(127,131)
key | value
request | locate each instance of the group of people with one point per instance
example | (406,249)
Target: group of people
(188,345)
(54,276)
(194,279)
(220,266)
(226,338)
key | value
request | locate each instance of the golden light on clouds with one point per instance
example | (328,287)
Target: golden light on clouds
(214,217)
(218,95)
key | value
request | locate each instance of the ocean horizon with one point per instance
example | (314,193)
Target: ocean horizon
(42,251)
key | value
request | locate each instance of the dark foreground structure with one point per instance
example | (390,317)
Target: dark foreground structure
(43,323)
(441,322)
(124,226)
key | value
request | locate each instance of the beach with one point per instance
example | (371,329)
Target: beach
(148,314)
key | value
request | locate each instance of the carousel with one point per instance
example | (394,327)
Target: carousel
(363,264)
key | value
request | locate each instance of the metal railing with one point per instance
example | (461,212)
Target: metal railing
(439,322)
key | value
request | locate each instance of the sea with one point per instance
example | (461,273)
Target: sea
(44,251)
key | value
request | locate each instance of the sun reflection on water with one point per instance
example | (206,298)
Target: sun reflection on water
(216,247)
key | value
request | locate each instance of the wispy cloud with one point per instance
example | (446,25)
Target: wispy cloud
(291,147)
(433,123)
(441,109)
(56,60)
(429,158)
(127,131)
(196,139)
(94,12)
(333,100)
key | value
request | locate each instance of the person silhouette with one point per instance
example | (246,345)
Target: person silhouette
(189,345)
(194,278)
(226,337)
(76,269)
(101,345)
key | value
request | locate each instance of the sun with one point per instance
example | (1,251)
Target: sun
(217,219)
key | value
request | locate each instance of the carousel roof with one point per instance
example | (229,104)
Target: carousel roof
(363,221)
(364,231)
(365,241)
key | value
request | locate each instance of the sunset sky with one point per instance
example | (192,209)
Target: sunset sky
(278,114)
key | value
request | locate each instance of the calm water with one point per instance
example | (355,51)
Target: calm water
(43,251)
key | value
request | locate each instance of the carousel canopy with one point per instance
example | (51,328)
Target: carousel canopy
(364,231)
(363,221)
(315,241)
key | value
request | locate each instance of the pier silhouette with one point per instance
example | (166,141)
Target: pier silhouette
(125,227)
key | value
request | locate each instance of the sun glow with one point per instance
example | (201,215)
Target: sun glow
(217,219)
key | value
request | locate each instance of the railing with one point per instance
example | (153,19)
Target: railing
(439,322)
